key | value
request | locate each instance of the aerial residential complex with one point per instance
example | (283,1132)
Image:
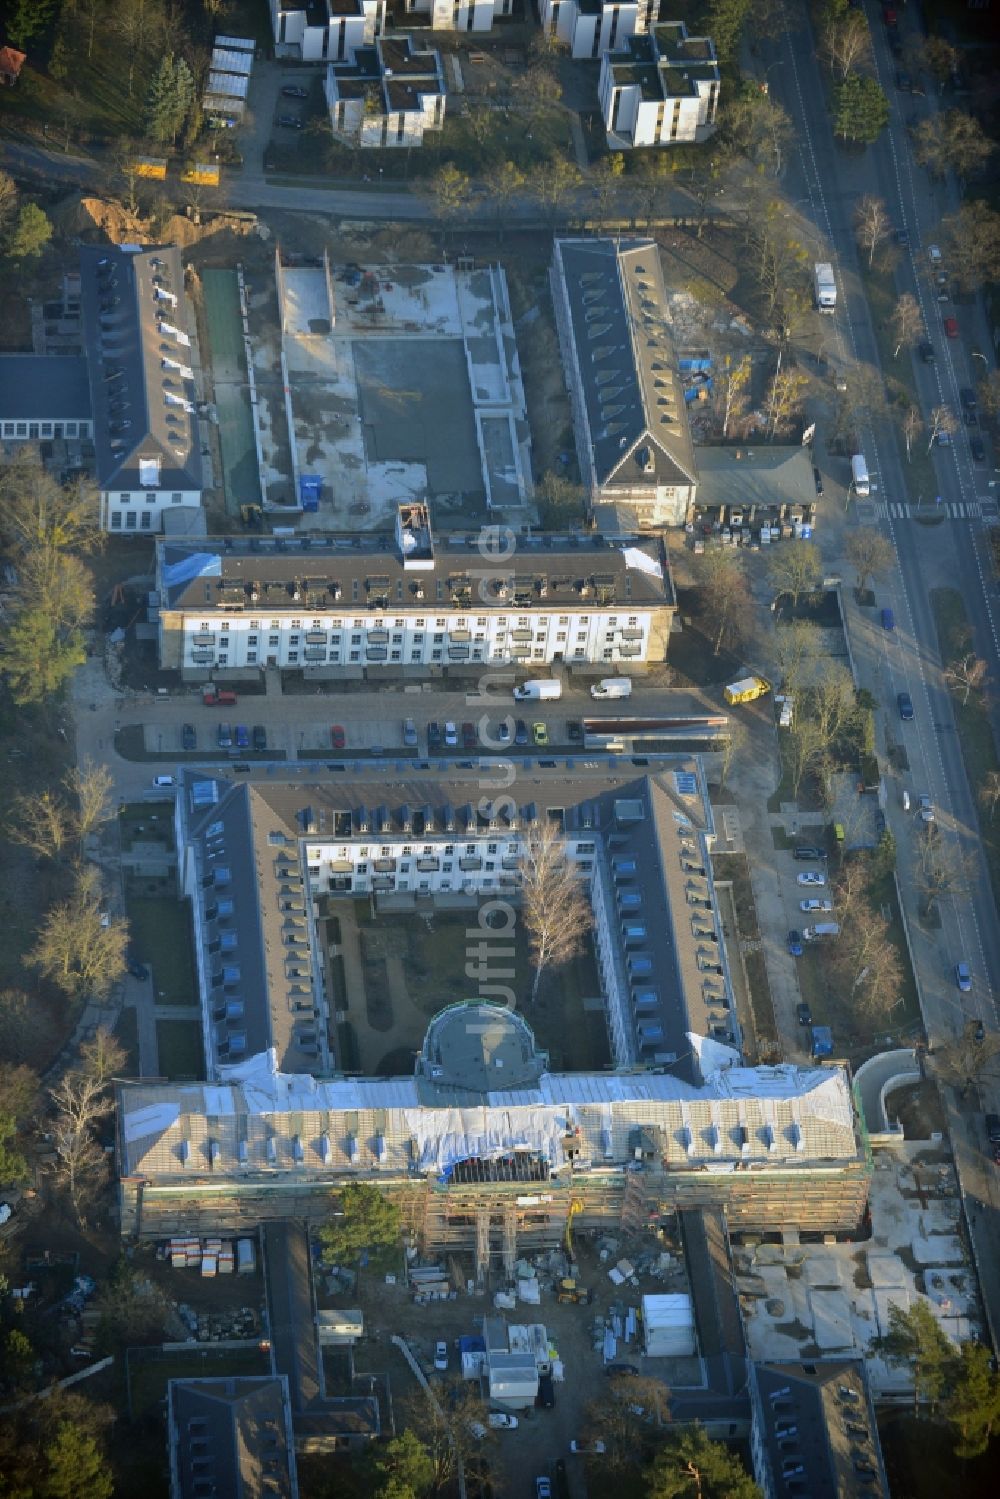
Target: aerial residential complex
(590,27)
(388,94)
(659,88)
(355,601)
(330,31)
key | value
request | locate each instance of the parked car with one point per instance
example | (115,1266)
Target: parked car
(811,877)
(163,782)
(808,851)
(951,327)
(814,903)
(574,731)
(927,353)
(289,122)
(433,736)
(409,733)
(546,1397)
(963,977)
(795,943)
(450,735)
(967,396)
(242,736)
(818,480)
(879,824)
(520,732)
(925,807)
(597,1447)
(470,738)
(225,736)
(441,1354)
(503,731)
(337,737)
(540,734)
(189,739)
(500,1421)
(803,1014)
(905,705)
(888,619)
(622,1371)
(259,737)
(543,1488)
(137,970)
(291,92)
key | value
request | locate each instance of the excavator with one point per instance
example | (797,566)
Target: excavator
(568,1290)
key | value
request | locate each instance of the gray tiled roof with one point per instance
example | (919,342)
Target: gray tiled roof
(139,395)
(43,387)
(818,1418)
(234,1432)
(626,363)
(755,473)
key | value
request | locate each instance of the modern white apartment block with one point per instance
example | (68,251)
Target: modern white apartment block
(460,15)
(349,604)
(389,95)
(659,89)
(633,441)
(142,388)
(326,30)
(590,27)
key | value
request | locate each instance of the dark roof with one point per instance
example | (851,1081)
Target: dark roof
(249,844)
(817,1426)
(402,72)
(755,473)
(351,572)
(625,363)
(231,1436)
(721,1341)
(141,397)
(40,387)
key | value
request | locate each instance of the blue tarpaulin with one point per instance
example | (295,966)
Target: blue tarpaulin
(822,1041)
(195,565)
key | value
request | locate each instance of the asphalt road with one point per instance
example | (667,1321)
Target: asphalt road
(831,181)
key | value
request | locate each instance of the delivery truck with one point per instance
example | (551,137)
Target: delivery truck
(612,687)
(538,691)
(746,689)
(825,286)
(860,482)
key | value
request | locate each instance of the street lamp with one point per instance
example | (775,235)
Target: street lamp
(976,355)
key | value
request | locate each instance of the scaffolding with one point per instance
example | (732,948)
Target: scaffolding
(509,1239)
(482,1245)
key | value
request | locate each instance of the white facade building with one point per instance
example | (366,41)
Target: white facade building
(326,30)
(590,27)
(660,89)
(460,15)
(44,397)
(389,95)
(341,603)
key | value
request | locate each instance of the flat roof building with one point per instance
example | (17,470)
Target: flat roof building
(44,396)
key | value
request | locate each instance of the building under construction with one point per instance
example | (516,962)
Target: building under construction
(489,1153)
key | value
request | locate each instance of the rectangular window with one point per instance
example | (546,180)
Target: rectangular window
(150,499)
(147,521)
(71,429)
(175,499)
(22,429)
(46,429)
(116,520)
(130,520)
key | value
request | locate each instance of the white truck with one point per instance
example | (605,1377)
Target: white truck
(538,691)
(825,286)
(612,687)
(860,482)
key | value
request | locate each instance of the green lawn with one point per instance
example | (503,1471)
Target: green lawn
(179,1047)
(139,822)
(160,935)
(975,734)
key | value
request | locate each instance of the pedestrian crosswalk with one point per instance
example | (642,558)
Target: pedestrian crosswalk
(949,510)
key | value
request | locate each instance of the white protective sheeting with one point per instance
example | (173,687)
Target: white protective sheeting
(642,562)
(153,1120)
(446,1136)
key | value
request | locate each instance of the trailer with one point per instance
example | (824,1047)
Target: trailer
(746,689)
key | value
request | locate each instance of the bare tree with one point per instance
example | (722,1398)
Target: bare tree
(806,750)
(81,1099)
(989,792)
(554,906)
(42,823)
(8,201)
(135,22)
(75,948)
(506,183)
(967,674)
(940,57)
(37,511)
(973,235)
(450,191)
(867,963)
(797,648)
(725,597)
(832,702)
(606,179)
(618,1418)
(784,398)
(554,182)
(870,553)
(795,570)
(941,869)
(969,1059)
(912,425)
(952,142)
(906,323)
(863,400)
(733,747)
(871,223)
(733,387)
(943,422)
(90,786)
(847,42)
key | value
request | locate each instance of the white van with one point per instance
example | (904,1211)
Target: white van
(612,687)
(163,781)
(859,475)
(822,929)
(540,690)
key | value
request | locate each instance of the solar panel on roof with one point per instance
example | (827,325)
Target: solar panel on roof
(686,783)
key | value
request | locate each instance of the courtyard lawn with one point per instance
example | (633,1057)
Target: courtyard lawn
(149,1371)
(160,936)
(178,1045)
(432,952)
